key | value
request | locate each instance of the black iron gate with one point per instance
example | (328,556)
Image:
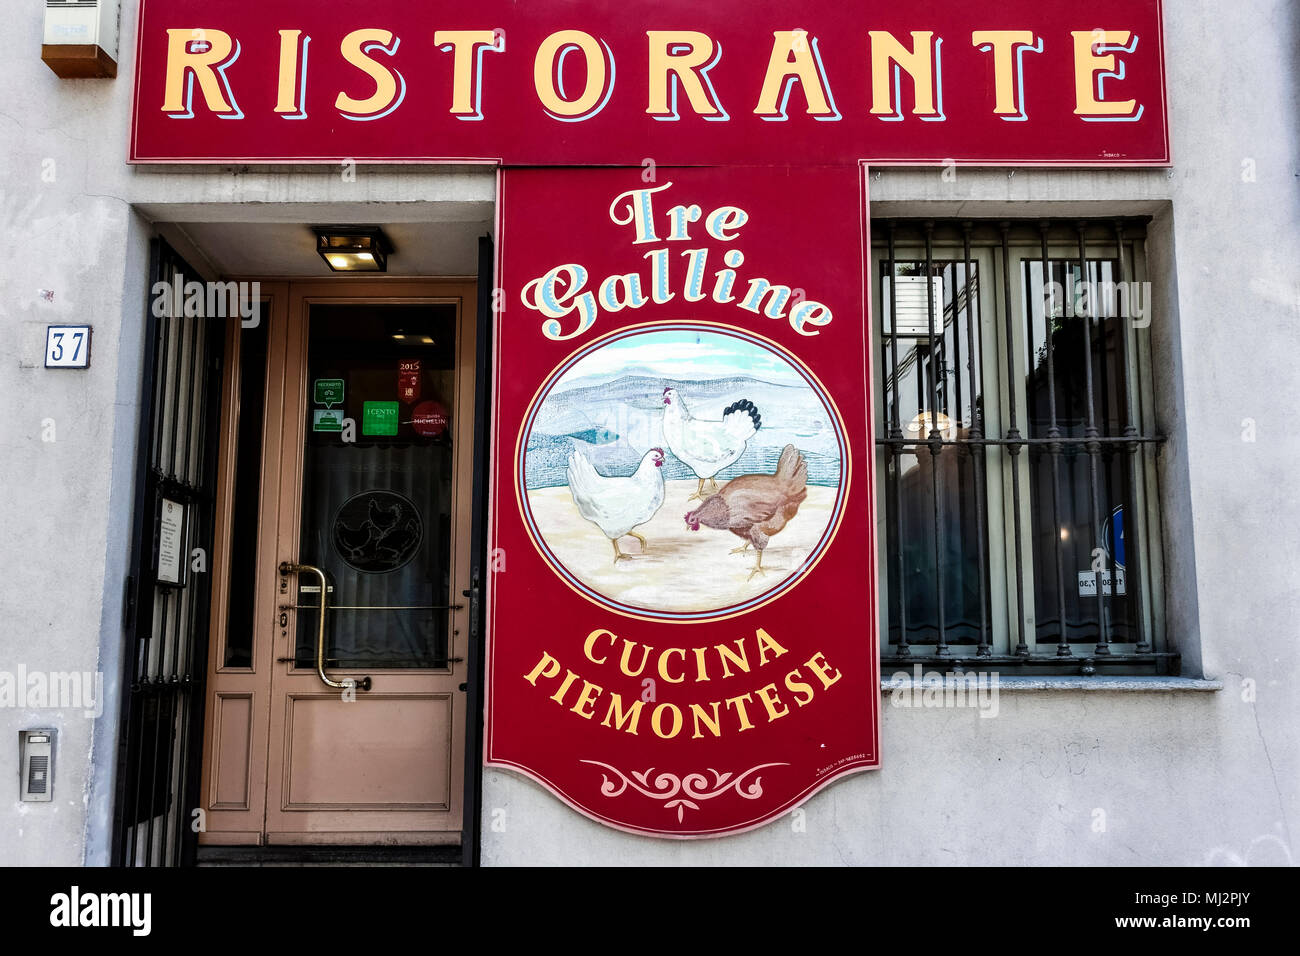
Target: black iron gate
(480,558)
(168,589)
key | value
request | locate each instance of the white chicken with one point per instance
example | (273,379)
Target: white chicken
(618,504)
(707,447)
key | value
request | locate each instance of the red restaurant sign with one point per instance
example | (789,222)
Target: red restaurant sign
(682,640)
(628,82)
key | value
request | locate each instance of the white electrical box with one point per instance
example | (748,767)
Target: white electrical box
(36,765)
(81,37)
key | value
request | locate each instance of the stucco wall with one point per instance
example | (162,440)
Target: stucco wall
(1181,776)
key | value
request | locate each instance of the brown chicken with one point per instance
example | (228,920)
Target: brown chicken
(756,507)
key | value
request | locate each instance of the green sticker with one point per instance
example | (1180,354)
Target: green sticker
(329,392)
(379,418)
(327,420)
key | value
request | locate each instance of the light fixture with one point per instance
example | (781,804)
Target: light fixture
(353,248)
(923,422)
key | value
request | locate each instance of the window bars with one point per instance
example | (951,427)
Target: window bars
(1016,441)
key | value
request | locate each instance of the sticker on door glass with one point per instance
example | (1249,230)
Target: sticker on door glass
(408,380)
(377,531)
(429,419)
(327,420)
(379,418)
(328,392)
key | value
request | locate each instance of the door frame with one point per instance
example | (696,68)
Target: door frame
(285,295)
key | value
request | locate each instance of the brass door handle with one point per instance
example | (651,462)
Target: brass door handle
(362,683)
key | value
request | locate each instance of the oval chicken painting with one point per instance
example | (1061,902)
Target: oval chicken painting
(682,472)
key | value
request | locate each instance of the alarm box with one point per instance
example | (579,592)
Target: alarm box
(81,37)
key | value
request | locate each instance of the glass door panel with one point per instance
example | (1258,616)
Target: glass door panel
(377,506)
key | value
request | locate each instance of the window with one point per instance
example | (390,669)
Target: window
(1016,447)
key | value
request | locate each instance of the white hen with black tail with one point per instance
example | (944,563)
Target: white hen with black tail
(705,446)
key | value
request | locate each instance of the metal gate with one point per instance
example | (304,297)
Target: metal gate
(168,589)
(481,560)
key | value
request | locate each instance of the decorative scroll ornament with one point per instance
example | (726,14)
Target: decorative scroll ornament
(692,787)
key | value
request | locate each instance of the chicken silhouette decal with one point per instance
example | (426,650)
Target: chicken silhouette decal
(618,505)
(707,447)
(377,531)
(756,507)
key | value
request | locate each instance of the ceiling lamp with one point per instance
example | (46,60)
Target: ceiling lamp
(353,248)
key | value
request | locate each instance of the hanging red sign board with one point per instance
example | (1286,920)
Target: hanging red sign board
(685,642)
(636,82)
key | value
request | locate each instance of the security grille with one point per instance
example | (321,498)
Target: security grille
(1017,446)
(166,624)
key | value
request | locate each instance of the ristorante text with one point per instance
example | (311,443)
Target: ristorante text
(675,61)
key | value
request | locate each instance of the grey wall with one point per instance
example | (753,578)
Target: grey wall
(1181,776)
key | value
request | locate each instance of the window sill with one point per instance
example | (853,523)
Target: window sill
(1107,684)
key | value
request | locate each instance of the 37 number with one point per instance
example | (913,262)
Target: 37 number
(67,346)
(77,337)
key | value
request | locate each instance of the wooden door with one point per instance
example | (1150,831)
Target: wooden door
(355,736)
